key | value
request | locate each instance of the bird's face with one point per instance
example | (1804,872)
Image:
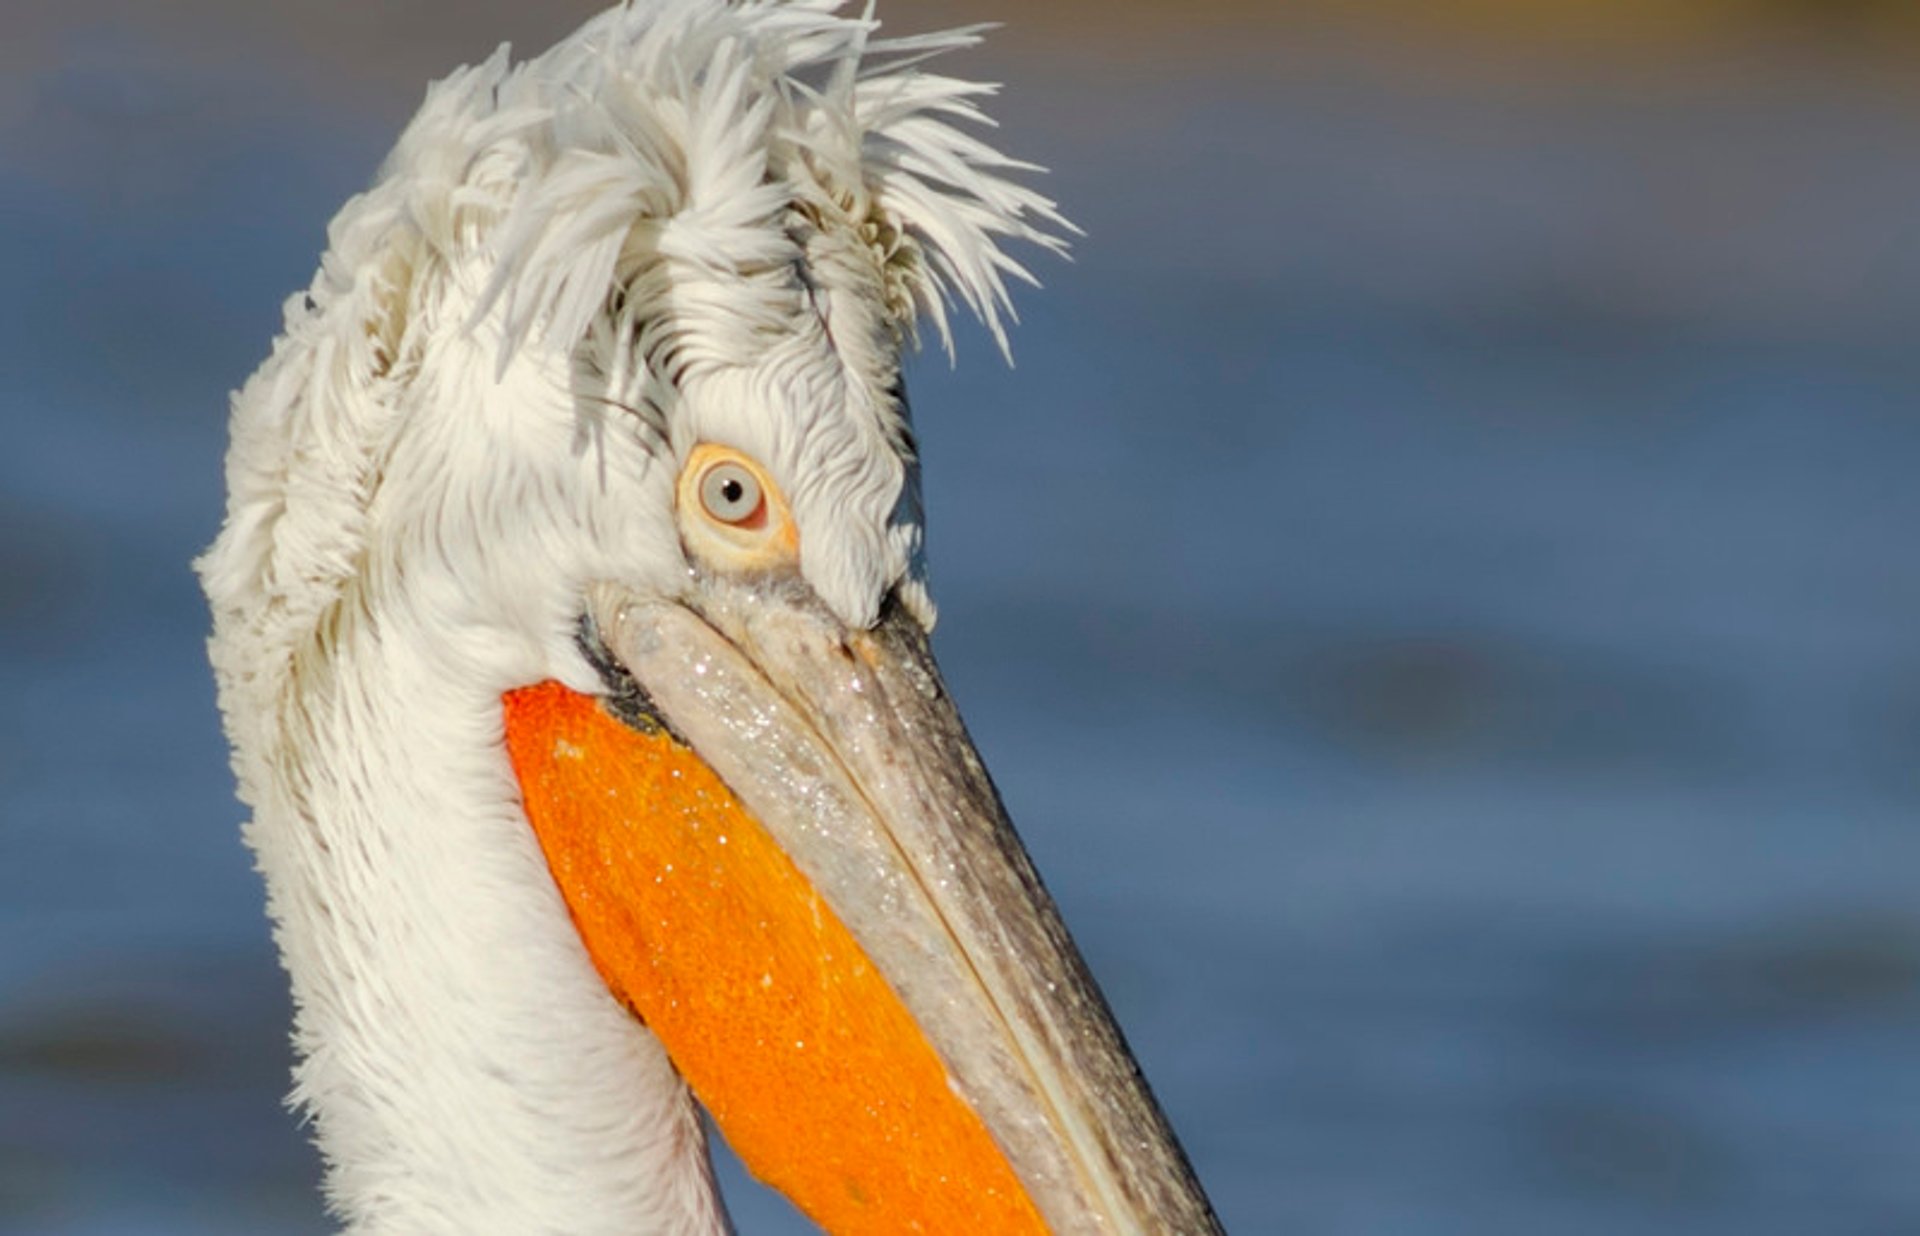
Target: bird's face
(773,834)
(753,819)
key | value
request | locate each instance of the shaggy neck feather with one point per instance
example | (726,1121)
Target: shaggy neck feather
(466,1068)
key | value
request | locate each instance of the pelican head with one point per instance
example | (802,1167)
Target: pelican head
(570,622)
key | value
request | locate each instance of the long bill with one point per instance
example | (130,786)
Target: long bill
(783,853)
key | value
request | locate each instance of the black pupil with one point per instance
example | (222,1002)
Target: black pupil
(732,490)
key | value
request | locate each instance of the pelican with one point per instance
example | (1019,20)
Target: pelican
(571,632)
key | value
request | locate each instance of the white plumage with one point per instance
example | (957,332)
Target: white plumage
(692,221)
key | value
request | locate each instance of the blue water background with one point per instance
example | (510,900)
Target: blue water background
(1438,592)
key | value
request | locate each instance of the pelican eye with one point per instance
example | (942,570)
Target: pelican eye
(732,514)
(731,494)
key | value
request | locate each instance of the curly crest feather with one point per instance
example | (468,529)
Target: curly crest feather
(712,138)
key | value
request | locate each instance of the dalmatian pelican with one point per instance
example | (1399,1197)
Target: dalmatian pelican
(571,631)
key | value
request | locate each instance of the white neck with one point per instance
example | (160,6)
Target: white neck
(466,1068)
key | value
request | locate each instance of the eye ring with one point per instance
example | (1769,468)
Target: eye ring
(732,494)
(731,513)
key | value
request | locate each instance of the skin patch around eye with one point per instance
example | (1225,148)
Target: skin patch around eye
(760,536)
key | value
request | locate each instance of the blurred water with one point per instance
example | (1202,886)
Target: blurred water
(1437,592)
